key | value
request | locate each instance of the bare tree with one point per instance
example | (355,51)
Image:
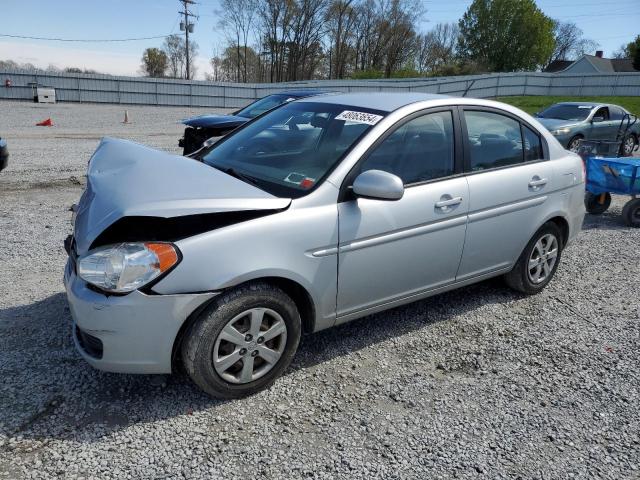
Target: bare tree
(437,48)
(570,42)
(176,51)
(304,42)
(341,17)
(301,39)
(238,20)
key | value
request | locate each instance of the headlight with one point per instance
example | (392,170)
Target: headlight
(125,267)
(560,131)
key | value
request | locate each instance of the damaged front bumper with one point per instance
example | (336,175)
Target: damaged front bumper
(132,333)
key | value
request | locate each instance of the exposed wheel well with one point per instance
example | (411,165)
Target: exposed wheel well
(297,292)
(563,225)
(579,135)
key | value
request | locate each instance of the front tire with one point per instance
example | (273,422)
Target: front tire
(538,262)
(243,341)
(574,143)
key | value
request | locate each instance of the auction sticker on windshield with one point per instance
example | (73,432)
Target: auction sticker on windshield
(359,117)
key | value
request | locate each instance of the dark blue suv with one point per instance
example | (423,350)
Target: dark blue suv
(201,128)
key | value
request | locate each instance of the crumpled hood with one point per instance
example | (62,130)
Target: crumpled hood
(215,121)
(554,123)
(128,179)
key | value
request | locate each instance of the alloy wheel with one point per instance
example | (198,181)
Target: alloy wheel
(249,345)
(628,145)
(574,144)
(543,258)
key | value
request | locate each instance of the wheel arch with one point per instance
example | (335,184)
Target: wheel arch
(299,294)
(562,223)
(578,134)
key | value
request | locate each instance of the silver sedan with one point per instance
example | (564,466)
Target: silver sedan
(319,212)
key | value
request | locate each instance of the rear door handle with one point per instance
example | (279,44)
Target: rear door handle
(449,203)
(537,182)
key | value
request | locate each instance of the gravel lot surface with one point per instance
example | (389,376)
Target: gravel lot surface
(479,382)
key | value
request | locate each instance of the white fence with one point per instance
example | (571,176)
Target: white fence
(150,91)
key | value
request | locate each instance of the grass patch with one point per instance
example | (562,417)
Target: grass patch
(532,104)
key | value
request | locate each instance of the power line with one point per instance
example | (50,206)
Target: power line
(92,40)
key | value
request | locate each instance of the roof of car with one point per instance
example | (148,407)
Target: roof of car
(582,104)
(303,92)
(592,104)
(384,101)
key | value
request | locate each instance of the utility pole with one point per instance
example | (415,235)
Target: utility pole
(188,28)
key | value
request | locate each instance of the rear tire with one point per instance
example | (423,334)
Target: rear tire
(631,213)
(538,262)
(218,336)
(595,203)
(628,145)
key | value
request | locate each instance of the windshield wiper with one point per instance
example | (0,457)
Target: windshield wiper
(240,176)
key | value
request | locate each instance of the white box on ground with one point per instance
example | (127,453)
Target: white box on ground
(46,95)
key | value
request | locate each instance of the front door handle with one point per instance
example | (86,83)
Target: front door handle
(449,202)
(537,182)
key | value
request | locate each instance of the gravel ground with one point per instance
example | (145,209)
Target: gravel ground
(479,382)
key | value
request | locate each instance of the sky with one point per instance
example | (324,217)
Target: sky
(610,25)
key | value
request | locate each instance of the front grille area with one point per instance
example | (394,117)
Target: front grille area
(91,345)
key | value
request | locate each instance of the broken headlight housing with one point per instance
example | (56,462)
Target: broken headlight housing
(124,267)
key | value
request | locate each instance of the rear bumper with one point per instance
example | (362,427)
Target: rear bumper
(136,332)
(576,210)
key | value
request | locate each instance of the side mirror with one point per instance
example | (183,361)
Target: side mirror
(378,185)
(597,119)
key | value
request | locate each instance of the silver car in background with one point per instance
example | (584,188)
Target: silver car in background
(571,122)
(324,210)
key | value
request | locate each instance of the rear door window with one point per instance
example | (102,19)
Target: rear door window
(616,113)
(495,140)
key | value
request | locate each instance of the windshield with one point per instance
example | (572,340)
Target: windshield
(567,112)
(260,106)
(290,150)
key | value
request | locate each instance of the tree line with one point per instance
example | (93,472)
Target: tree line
(289,40)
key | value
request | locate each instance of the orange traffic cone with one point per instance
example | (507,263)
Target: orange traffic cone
(45,123)
(126,116)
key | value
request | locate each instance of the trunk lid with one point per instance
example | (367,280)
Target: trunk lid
(128,179)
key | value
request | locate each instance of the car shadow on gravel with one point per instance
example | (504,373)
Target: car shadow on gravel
(609,220)
(48,392)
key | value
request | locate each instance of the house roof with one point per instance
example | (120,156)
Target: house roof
(557,66)
(603,65)
(623,65)
(600,64)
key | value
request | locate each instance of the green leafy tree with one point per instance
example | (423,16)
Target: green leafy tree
(154,62)
(506,35)
(628,50)
(631,50)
